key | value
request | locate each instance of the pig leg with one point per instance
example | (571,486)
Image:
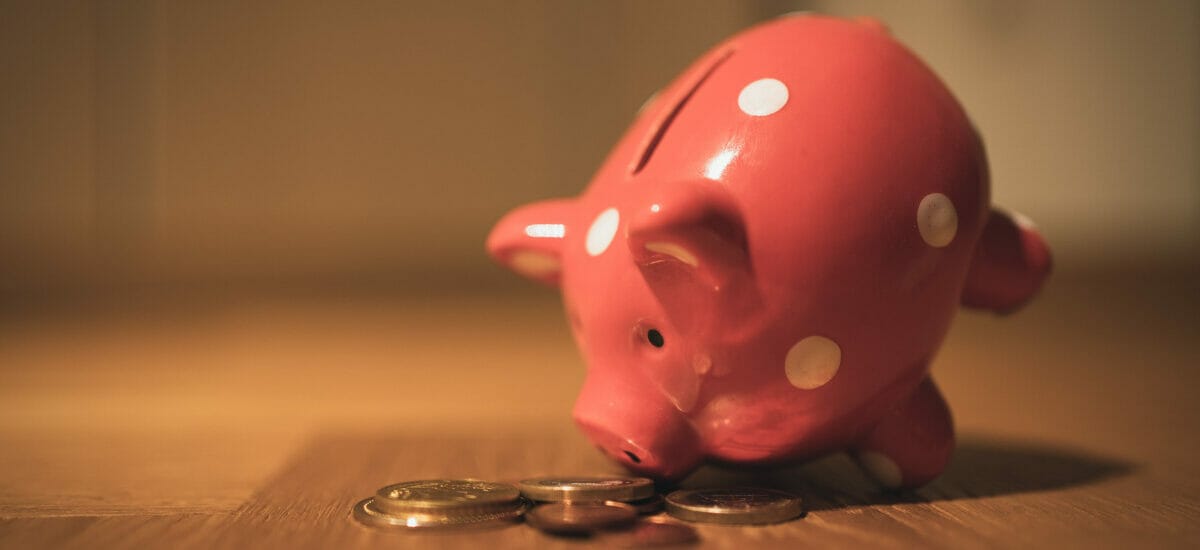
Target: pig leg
(912,444)
(1011,263)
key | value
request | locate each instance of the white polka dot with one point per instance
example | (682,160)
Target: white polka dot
(763,97)
(882,468)
(937,220)
(533,264)
(812,362)
(602,231)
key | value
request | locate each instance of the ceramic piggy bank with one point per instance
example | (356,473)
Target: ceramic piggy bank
(765,265)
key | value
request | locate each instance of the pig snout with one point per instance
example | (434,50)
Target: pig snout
(639,429)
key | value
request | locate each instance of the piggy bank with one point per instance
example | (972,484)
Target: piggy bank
(766,263)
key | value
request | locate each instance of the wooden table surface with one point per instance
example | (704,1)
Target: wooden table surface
(257,423)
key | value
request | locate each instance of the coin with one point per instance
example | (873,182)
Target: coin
(576,518)
(429,495)
(652,505)
(585,488)
(653,532)
(368,513)
(745,505)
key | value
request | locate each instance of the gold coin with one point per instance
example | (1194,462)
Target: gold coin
(742,505)
(587,489)
(577,518)
(367,513)
(442,495)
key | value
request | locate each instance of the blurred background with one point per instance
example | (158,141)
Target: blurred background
(267,218)
(174,144)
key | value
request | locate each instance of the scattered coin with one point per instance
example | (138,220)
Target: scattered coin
(577,518)
(652,505)
(593,489)
(367,513)
(651,533)
(444,495)
(742,505)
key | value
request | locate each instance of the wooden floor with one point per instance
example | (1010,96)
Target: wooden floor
(257,423)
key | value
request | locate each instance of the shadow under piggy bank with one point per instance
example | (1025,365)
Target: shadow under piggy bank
(982,466)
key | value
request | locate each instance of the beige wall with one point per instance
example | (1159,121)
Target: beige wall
(1090,111)
(184,142)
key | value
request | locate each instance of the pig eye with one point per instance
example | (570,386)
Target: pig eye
(655,338)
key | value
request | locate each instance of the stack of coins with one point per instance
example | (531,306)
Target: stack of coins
(585,505)
(605,506)
(437,503)
(637,492)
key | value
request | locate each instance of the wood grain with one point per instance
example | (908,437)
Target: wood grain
(258,424)
(997,490)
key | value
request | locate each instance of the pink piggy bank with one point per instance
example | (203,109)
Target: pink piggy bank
(765,265)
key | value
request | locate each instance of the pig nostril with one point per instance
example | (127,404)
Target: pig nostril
(633,457)
(655,337)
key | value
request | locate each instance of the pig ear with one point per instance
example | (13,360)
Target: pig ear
(689,241)
(529,240)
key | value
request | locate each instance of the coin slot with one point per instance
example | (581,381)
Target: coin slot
(633,457)
(661,129)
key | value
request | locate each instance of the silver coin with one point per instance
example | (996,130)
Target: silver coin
(577,518)
(587,489)
(740,505)
(367,513)
(441,495)
(653,533)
